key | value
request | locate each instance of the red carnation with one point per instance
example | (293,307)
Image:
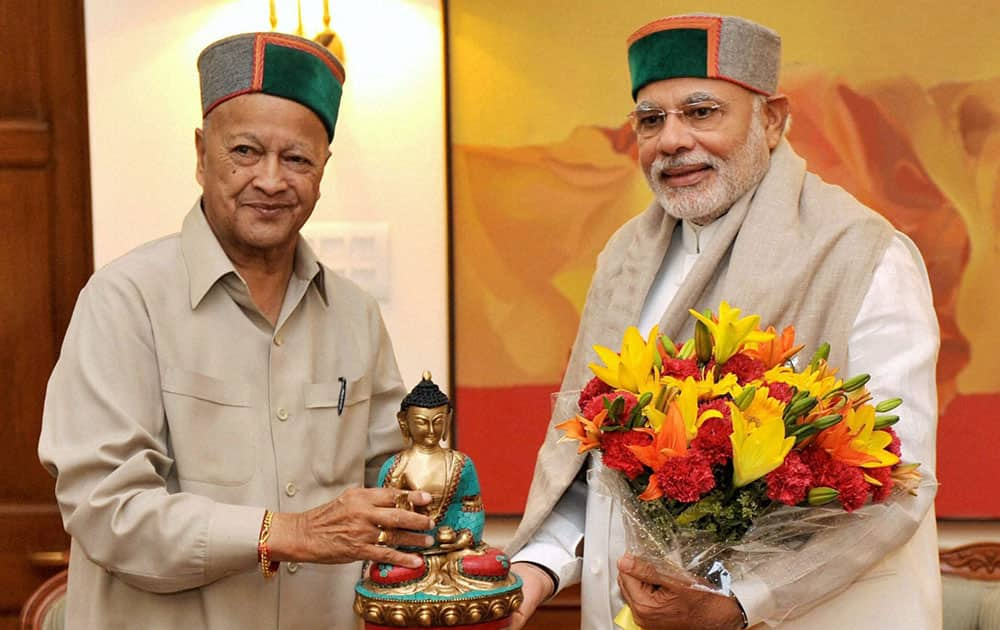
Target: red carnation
(686,478)
(745,367)
(781,392)
(789,482)
(595,387)
(616,454)
(712,441)
(884,476)
(818,461)
(851,486)
(894,446)
(596,405)
(681,368)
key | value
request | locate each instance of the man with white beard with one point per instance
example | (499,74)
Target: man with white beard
(737,217)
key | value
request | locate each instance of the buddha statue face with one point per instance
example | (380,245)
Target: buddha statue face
(425,426)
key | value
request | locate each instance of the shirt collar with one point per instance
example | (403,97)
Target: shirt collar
(309,269)
(207,262)
(697,237)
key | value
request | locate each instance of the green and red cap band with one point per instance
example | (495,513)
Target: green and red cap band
(273,63)
(705,46)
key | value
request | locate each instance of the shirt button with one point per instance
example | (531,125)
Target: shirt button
(595,567)
(278,340)
(291,489)
(292,567)
(282,414)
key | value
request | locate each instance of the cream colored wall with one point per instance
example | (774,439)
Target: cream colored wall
(388,154)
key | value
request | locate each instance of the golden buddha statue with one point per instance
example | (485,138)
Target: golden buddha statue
(462,580)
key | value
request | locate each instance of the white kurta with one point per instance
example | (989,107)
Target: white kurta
(894,339)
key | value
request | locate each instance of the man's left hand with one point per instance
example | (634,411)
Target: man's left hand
(659,602)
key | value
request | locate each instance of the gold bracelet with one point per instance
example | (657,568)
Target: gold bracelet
(268,567)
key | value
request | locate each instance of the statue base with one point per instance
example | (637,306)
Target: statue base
(474,590)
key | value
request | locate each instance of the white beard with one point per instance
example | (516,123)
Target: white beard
(702,203)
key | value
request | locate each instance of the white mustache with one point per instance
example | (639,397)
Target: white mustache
(662,164)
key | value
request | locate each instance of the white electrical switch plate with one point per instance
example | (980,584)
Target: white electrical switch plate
(355,250)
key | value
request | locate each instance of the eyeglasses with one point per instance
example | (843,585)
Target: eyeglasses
(703,116)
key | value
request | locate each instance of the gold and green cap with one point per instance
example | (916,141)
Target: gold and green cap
(272,63)
(705,46)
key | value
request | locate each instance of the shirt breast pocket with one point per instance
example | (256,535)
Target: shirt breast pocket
(211,427)
(340,437)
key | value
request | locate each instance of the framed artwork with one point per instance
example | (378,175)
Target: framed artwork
(899,104)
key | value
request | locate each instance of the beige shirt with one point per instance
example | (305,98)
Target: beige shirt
(176,414)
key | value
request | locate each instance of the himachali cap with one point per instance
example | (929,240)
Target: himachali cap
(706,46)
(272,63)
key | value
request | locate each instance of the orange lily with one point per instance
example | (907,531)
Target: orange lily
(854,440)
(587,432)
(777,350)
(670,441)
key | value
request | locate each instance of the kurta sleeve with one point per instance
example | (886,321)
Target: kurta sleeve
(105,439)
(554,544)
(895,339)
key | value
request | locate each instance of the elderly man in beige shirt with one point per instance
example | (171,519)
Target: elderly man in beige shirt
(221,398)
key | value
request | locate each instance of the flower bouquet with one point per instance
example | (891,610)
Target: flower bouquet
(723,453)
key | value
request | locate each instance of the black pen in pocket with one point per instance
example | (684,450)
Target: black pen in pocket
(343,395)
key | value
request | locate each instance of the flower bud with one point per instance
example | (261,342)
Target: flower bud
(686,350)
(888,405)
(668,346)
(882,422)
(821,495)
(856,382)
(702,342)
(822,354)
(827,421)
(746,397)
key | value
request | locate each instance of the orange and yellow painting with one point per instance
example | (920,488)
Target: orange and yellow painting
(898,102)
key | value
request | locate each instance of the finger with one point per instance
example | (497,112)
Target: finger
(630,587)
(646,572)
(388,555)
(403,538)
(394,518)
(390,497)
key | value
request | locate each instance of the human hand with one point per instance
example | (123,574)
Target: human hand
(536,588)
(659,602)
(348,529)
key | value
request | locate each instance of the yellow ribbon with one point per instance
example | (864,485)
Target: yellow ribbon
(625,621)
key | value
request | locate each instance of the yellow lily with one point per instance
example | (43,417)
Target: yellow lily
(855,441)
(686,404)
(818,382)
(731,331)
(759,444)
(633,368)
(763,406)
(708,387)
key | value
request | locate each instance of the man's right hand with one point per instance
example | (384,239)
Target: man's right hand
(348,528)
(536,589)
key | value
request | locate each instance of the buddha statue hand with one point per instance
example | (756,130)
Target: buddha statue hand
(448,539)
